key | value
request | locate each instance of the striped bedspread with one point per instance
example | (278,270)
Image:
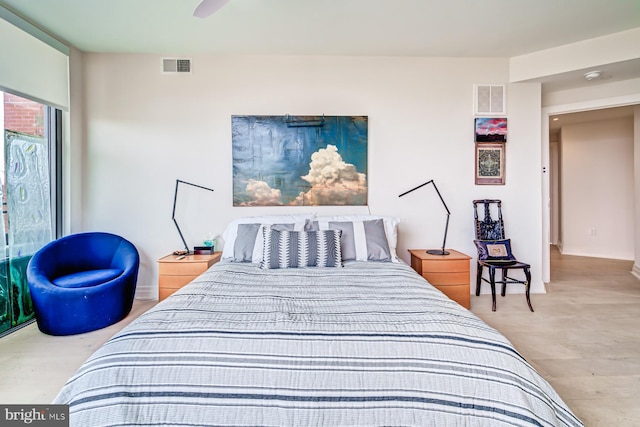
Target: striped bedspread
(371,344)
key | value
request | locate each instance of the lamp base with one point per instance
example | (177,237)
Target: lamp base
(437,252)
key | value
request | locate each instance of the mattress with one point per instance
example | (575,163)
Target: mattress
(370,344)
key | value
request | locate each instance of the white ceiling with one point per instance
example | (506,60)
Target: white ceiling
(449,28)
(432,28)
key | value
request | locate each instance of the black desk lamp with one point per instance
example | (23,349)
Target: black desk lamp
(446,228)
(173,214)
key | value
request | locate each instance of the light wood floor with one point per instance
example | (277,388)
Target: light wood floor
(584,338)
(35,366)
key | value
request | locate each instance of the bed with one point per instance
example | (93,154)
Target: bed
(363,343)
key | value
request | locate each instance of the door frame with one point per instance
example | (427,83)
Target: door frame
(547,112)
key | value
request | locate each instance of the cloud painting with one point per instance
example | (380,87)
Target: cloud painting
(301,161)
(491,129)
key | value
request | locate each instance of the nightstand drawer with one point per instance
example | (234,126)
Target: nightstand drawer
(165,292)
(458,293)
(454,278)
(449,273)
(183,269)
(445,266)
(175,273)
(174,281)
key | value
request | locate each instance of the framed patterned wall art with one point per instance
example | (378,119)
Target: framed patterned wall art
(490,163)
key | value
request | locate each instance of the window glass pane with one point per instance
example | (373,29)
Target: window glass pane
(25,176)
(28,193)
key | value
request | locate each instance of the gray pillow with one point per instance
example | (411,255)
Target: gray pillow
(245,242)
(347,240)
(375,240)
(377,244)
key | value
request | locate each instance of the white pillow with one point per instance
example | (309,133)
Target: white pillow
(360,238)
(230,234)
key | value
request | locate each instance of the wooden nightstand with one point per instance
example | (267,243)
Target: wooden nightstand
(175,273)
(448,273)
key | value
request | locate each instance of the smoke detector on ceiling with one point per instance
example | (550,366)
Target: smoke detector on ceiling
(593,75)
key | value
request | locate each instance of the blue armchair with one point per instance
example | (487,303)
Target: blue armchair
(83,282)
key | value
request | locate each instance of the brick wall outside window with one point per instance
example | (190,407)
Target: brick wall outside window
(23,115)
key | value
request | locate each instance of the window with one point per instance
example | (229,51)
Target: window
(29,180)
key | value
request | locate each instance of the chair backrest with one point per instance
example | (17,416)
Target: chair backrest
(85,251)
(488,228)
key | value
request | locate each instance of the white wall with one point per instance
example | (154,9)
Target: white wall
(144,129)
(597,175)
(636,162)
(73,149)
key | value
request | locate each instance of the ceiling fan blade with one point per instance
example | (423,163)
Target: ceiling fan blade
(207,7)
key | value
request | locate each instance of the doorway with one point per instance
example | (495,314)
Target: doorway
(573,114)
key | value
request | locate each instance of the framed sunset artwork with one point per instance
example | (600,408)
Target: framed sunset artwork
(490,129)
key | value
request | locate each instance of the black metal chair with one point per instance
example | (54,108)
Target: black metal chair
(494,251)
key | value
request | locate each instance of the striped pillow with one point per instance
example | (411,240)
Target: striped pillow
(361,240)
(294,249)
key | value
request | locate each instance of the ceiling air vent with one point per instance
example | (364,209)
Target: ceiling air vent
(490,99)
(174,65)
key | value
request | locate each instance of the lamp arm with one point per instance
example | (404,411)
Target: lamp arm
(173,212)
(420,186)
(446,228)
(437,191)
(178,181)
(442,200)
(186,247)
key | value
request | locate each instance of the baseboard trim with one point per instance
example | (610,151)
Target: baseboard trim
(17,328)
(595,255)
(636,271)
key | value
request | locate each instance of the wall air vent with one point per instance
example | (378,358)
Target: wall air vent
(175,65)
(490,99)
